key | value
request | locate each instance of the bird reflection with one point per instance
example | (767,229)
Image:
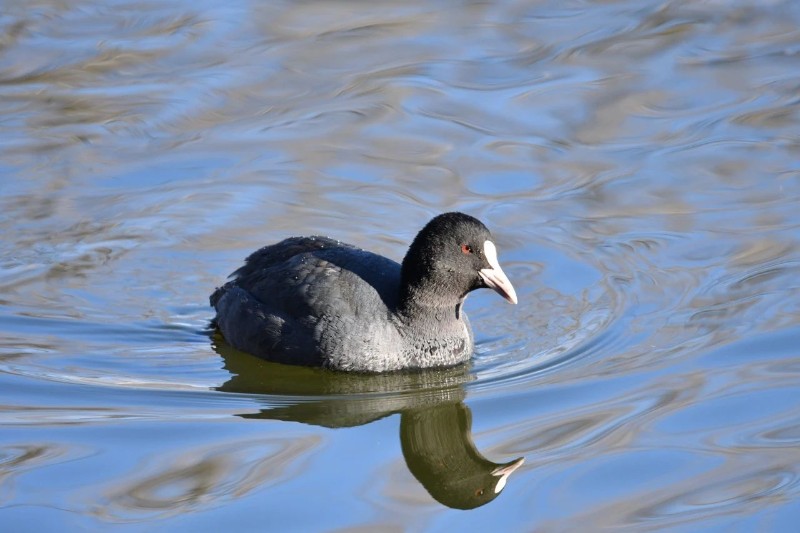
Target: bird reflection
(439,452)
(435,424)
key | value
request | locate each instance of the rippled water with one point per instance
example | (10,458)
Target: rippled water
(638,163)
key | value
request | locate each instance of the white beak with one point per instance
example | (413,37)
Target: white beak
(494,277)
(504,471)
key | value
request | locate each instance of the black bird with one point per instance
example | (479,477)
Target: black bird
(319,302)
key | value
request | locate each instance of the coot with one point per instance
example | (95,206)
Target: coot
(319,302)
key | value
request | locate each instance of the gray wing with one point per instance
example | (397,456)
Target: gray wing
(302,300)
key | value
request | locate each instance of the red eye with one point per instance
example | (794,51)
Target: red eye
(466,249)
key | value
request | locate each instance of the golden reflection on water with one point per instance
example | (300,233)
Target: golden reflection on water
(15,459)
(198,479)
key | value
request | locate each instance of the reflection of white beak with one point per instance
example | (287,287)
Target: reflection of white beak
(494,277)
(504,472)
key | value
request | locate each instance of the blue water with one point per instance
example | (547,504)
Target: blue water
(638,164)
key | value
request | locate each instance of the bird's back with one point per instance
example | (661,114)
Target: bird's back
(312,300)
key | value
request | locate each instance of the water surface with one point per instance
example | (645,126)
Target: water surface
(638,163)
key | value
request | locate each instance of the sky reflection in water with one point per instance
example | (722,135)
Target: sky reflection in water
(638,164)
